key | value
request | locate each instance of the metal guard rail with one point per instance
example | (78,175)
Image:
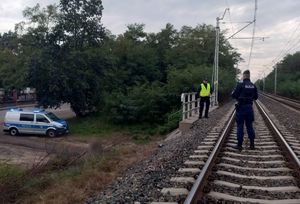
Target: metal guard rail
(191,104)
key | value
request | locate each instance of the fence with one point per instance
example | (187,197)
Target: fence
(191,105)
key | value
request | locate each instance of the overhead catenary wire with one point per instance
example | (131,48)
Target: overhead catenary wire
(230,21)
(253,34)
(245,37)
(283,52)
(286,48)
(286,52)
(239,30)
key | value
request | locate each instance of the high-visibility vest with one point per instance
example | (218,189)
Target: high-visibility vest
(205,91)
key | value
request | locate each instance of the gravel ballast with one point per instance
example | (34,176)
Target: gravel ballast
(144,181)
(286,116)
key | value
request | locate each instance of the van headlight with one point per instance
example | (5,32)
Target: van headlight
(59,126)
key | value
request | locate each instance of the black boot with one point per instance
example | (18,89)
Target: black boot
(238,147)
(252,147)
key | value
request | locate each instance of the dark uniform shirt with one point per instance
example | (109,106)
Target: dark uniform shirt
(245,92)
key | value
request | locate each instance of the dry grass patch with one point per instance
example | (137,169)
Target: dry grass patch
(88,176)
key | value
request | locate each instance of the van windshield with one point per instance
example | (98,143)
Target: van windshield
(52,116)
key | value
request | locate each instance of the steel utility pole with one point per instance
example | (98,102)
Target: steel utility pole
(215,75)
(264,82)
(275,81)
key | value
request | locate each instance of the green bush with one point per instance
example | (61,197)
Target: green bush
(153,103)
(145,103)
(290,89)
(171,124)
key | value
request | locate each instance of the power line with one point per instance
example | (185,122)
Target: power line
(237,22)
(227,4)
(239,30)
(253,34)
(286,52)
(274,62)
(283,52)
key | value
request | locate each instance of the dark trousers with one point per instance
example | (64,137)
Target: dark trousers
(245,115)
(206,101)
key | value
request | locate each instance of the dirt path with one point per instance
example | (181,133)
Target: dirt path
(23,156)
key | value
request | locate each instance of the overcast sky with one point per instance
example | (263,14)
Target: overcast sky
(278,21)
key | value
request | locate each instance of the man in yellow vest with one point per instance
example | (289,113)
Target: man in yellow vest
(204,92)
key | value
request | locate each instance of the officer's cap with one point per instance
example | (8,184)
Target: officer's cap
(246,72)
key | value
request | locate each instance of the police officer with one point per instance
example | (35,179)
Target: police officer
(204,92)
(245,92)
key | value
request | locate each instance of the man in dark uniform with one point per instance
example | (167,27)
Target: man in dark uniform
(204,92)
(245,92)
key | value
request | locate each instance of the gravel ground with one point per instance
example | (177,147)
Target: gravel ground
(144,181)
(286,116)
(23,156)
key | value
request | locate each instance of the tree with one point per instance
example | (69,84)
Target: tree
(163,42)
(66,54)
(12,69)
(59,40)
(288,76)
(80,23)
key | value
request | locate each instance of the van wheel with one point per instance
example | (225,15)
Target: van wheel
(13,132)
(51,133)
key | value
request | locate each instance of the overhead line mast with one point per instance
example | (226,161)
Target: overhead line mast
(215,74)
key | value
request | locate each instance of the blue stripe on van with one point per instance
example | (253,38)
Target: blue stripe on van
(27,126)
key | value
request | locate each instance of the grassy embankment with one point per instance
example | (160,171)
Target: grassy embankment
(97,126)
(66,179)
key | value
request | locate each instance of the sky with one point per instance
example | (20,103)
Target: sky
(277,21)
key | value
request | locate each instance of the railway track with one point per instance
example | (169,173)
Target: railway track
(287,101)
(218,173)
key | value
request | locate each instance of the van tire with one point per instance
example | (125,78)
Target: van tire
(51,133)
(13,131)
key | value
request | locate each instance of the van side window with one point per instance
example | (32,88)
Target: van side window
(41,119)
(26,117)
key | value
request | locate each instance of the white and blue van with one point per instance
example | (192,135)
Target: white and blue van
(36,121)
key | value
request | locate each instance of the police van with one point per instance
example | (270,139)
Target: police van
(36,121)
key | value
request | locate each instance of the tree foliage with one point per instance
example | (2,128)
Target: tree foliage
(288,77)
(69,57)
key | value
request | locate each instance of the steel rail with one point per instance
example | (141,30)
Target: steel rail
(281,97)
(282,142)
(287,101)
(197,190)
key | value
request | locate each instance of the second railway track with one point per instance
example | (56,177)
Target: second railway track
(295,104)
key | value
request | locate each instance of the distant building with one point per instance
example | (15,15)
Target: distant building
(14,96)
(2,93)
(27,94)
